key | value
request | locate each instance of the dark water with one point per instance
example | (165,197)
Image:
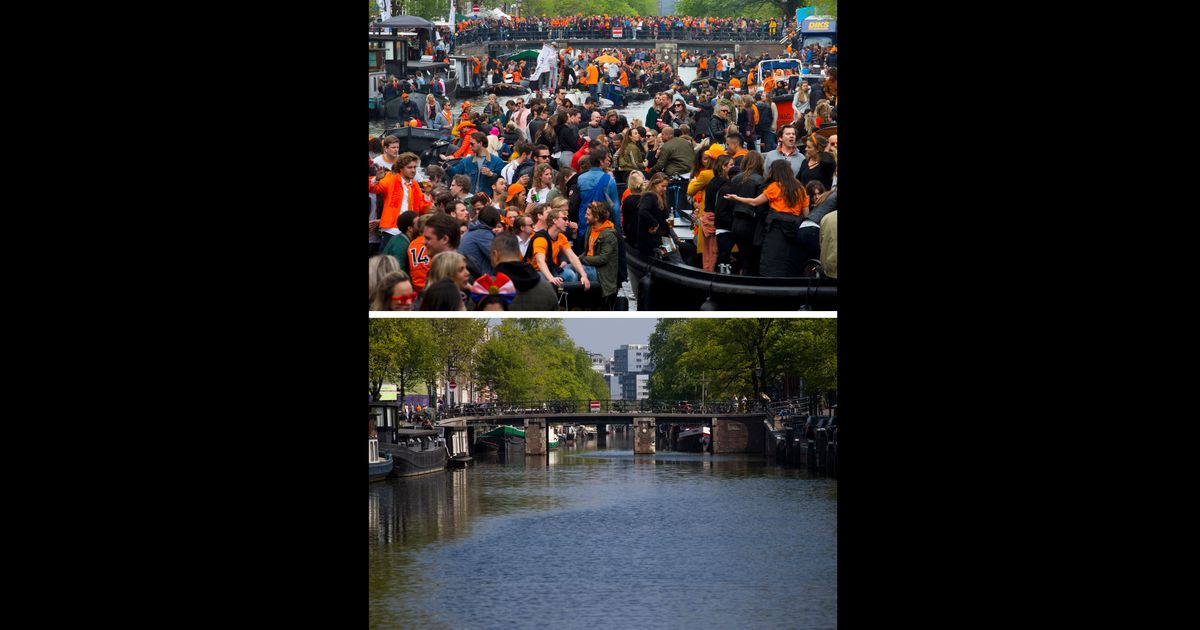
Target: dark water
(605,539)
(377,127)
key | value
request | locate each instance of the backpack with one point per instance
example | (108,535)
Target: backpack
(437,87)
(528,258)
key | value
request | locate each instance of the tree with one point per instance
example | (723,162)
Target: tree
(670,380)
(535,360)
(730,354)
(762,9)
(458,342)
(401,351)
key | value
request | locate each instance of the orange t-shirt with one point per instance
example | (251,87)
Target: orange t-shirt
(539,247)
(418,263)
(778,203)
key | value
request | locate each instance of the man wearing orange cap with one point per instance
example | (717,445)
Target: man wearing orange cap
(408,109)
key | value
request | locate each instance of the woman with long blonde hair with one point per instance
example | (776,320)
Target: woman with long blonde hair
(380,266)
(630,199)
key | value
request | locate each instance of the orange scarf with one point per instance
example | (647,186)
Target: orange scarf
(607,225)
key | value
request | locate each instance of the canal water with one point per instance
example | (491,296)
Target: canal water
(376,127)
(590,538)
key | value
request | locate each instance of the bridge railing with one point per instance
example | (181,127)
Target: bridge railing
(794,407)
(749,34)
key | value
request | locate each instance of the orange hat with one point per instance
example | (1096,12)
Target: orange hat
(466,105)
(513,191)
(715,151)
(404,95)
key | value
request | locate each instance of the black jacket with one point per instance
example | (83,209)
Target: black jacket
(650,213)
(629,218)
(716,129)
(533,292)
(717,204)
(568,139)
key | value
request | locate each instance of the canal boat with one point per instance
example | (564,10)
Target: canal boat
(377,467)
(510,435)
(578,98)
(499,437)
(466,83)
(694,440)
(637,96)
(416,139)
(507,89)
(416,452)
(379,470)
(674,287)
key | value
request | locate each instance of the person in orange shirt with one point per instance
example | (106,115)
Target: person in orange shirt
(593,80)
(403,194)
(418,260)
(547,245)
(624,78)
(783,255)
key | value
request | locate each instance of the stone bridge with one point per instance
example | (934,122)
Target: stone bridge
(731,433)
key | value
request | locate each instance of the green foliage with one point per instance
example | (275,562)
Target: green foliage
(824,7)
(535,359)
(724,353)
(762,9)
(401,351)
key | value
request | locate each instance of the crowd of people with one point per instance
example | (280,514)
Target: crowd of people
(530,202)
(632,27)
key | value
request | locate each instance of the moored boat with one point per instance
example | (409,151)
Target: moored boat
(377,467)
(674,287)
(499,437)
(694,440)
(379,470)
(415,139)
(507,89)
(416,452)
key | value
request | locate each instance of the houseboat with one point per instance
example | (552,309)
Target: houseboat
(378,467)
(416,452)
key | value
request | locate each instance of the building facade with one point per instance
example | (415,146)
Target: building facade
(631,370)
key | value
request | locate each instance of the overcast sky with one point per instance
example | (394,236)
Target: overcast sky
(603,335)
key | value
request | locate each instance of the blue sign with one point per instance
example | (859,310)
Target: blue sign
(818,26)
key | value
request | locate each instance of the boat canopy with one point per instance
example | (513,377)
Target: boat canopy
(405,21)
(781,64)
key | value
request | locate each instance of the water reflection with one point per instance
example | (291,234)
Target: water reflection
(557,540)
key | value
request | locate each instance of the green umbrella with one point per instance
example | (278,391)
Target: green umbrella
(526,55)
